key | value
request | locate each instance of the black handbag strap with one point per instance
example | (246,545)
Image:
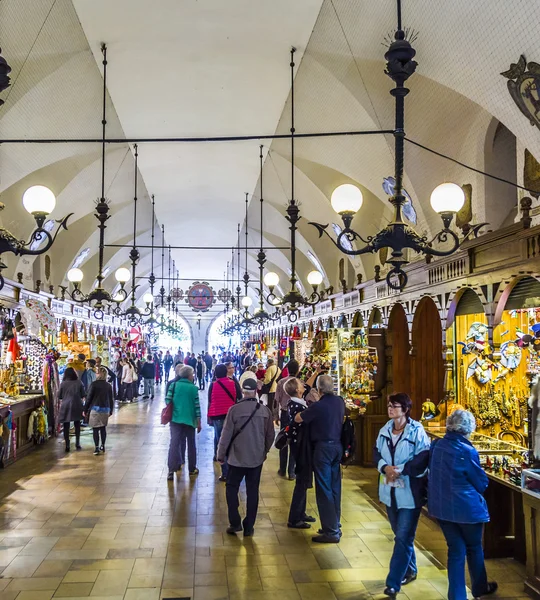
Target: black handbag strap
(257,406)
(226,390)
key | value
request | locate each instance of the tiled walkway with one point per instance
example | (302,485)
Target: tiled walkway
(77,525)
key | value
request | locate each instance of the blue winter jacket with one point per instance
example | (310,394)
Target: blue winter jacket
(411,454)
(456,481)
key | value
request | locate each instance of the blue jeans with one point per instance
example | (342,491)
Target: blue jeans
(326,467)
(218,428)
(148,387)
(465,540)
(403,562)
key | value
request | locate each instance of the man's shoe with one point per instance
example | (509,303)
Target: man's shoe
(281,473)
(291,477)
(152,397)
(299,525)
(248,532)
(408,578)
(102,448)
(390,592)
(325,539)
(234,530)
(309,519)
(321,532)
(170,476)
(491,589)
(78,447)
(67,448)
(194,472)
(222,478)
(145,397)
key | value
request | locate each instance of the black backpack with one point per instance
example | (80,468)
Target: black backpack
(348,441)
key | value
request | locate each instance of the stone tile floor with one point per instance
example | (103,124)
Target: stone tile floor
(79,526)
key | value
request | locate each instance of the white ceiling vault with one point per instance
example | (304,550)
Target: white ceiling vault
(213,68)
(198,68)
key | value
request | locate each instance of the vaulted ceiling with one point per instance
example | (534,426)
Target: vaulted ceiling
(209,68)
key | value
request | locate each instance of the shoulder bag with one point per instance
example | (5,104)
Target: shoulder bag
(257,406)
(268,386)
(167,412)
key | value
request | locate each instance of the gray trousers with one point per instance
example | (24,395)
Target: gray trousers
(180,435)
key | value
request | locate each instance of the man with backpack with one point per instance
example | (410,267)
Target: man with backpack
(326,427)
(246,438)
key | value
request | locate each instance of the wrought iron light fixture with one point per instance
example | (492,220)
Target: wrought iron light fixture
(446,199)
(293,300)
(39,201)
(99,297)
(148,298)
(133,314)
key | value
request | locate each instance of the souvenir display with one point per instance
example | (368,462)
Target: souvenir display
(358,367)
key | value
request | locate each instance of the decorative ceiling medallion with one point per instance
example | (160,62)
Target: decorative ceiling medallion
(177,294)
(200,296)
(224,295)
(524,87)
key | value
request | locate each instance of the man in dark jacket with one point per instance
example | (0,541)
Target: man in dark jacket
(246,438)
(326,418)
(148,373)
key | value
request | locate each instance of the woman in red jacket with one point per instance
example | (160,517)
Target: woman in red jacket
(221,396)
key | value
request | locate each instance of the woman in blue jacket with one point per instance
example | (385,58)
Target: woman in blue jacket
(401,454)
(456,484)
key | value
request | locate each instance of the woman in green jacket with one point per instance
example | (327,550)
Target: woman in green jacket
(186,417)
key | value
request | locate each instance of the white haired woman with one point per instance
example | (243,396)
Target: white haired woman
(186,417)
(456,484)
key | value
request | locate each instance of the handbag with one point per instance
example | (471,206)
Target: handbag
(257,406)
(268,386)
(282,439)
(167,412)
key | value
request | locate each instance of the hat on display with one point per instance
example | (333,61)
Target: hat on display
(250,385)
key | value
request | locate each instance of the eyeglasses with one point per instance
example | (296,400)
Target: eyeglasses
(396,406)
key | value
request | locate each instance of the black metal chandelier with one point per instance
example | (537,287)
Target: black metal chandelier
(293,300)
(133,314)
(260,316)
(447,199)
(99,297)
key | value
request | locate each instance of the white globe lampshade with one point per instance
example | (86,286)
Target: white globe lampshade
(39,199)
(246,301)
(122,275)
(75,275)
(118,297)
(271,279)
(314,278)
(447,197)
(346,198)
(148,298)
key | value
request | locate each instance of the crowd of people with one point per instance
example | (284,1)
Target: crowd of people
(248,401)
(446,473)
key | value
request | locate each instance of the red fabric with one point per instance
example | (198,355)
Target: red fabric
(220,402)
(260,373)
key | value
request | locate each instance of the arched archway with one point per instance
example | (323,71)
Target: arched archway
(216,342)
(427,349)
(399,371)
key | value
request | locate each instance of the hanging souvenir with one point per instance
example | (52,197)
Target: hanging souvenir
(510,355)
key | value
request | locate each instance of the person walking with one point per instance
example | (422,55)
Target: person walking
(148,371)
(326,422)
(186,418)
(72,394)
(128,374)
(401,454)
(118,369)
(158,369)
(98,407)
(270,385)
(167,364)
(247,436)
(186,359)
(282,399)
(455,498)
(299,441)
(201,372)
(249,373)
(221,396)
(192,362)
